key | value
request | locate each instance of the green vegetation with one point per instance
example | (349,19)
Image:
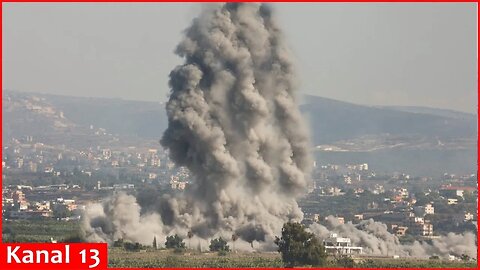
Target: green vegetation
(118,243)
(442,219)
(346,206)
(151,258)
(129,246)
(220,245)
(154,243)
(168,258)
(299,247)
(174,242)
(344,261)
(126,254)
(412,263)
(41,231)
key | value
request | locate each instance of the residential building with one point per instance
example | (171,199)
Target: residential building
(340,245)
(427,209)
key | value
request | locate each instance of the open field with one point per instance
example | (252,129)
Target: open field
(118,257)
(39,230)
(375,262)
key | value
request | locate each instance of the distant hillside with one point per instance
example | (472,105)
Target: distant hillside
(124,117)
(421,141)
(26,115)
(434,111)
(332,120)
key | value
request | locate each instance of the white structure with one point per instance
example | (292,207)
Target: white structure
(451,201)
(363,167)
(428,209)
(340,245)
(468,216)
(123,186)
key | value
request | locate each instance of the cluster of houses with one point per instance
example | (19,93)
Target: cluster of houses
(401,212)
(16,206)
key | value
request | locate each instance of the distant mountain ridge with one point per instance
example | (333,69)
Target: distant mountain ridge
(329,120)
(433,111)
(134,118)
(333,120)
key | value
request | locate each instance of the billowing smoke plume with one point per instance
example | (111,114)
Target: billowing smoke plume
(234,123)
(376,240)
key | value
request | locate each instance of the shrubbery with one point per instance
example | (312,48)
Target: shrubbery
(299,247)
(219,244)
(344,261)
(174,242)
(129,246)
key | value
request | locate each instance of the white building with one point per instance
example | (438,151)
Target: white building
(427,209)
(452,201)
(123,186)
(469,216)
(340,245)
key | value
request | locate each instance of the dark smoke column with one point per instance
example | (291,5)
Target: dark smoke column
(234,123)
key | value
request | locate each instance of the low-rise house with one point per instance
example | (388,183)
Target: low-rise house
(399,230)
(451,201)
(427,209)
(469,216)
(340,245)
(449,191)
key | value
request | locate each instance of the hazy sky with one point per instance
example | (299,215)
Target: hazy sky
(373,54)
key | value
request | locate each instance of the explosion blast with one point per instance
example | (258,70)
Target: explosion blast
(234,123)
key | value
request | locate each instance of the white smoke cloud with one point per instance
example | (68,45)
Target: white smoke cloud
(376,240)
(234,123)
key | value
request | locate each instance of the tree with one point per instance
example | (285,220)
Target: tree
(132,246)
(469,197)
(299,247)
(76,171)
(465,257)
(349,193)
(234,238)
(175,242)
(61,211)
(154,244)
(421,198)
(219,244)
(190,235)
(459,199)
(118,243)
